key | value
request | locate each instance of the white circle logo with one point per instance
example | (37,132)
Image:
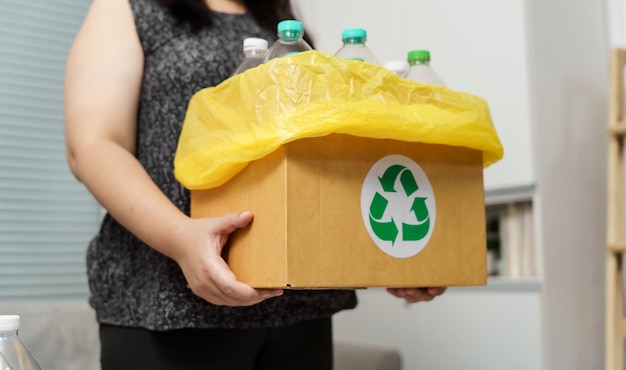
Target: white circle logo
(398,206)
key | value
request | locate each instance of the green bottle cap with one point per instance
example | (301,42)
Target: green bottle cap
(290,29)
(419,55)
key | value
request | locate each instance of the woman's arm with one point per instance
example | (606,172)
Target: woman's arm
(102,85)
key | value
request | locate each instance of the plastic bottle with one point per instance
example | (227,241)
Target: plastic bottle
(4,363)
(354,46)
(420,69)
(290,40)
(253,51)
(12,348)
(399,67)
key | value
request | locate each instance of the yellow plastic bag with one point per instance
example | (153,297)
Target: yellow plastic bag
(314,94)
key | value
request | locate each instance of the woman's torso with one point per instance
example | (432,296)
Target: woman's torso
(132,284)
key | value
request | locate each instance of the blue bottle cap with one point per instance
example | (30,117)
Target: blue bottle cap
(290,25)
(355,32)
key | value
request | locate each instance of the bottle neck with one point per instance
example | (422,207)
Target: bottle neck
(254,53)
(290,35)
(358,41)
(419,62)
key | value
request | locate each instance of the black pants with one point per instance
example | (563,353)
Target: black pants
(302,346)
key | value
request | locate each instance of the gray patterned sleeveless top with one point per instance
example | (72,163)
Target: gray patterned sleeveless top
(131,284)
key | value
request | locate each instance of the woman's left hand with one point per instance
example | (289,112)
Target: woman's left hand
(412,295)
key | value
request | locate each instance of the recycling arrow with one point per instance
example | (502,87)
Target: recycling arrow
(419,230)
(388,180)
(384,230)
(387,230)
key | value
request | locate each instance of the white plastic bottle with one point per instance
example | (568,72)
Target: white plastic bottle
(420,69)
(12,348)
(253,51)
(290,40)
(354,47)
(399,67)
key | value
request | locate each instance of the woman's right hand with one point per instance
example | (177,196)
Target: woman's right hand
(200,258)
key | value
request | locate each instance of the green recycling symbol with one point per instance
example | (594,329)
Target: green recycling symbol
(397,203)
(388,230)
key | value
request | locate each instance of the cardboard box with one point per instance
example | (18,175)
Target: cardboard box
(318,223)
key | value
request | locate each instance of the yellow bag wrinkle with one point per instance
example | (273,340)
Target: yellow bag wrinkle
(314,94)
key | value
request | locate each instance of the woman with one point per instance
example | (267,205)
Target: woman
(164,297)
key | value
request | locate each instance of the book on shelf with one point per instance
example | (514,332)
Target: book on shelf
(517,241)
(511,249)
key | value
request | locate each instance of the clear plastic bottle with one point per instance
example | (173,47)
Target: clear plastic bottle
(290,40)
(420,69)
(12,348)
(4,363)
(253,51)
(399,67)
(354,47)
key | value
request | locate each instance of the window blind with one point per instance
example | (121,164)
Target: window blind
(46,216)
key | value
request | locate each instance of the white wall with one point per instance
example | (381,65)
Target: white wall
(615,11)
(569,85)
(466,328)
